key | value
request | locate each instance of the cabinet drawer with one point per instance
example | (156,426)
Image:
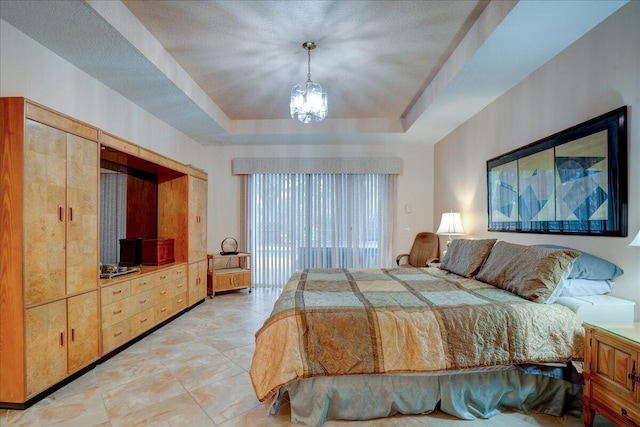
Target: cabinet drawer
(164,309)
(116,335)
(115,312)
(142,321)
(179,302)
(603,397)
(141,301)
(144,283)
(163,292)
(115,293)
(179,286)
(179,272)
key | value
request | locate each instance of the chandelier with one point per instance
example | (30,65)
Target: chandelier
(308,100)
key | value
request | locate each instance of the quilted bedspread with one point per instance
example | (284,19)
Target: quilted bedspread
(403,320)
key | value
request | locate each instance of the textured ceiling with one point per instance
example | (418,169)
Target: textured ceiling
(221,71)
(373,57)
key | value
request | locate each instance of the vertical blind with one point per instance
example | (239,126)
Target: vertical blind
(297,221)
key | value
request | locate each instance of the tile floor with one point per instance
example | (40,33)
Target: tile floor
(194,372)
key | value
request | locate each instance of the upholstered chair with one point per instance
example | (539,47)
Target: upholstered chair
(425,249)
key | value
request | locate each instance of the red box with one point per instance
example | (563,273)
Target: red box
(157,251)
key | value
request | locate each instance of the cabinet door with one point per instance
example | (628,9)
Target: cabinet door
(197,219)
(613,363)
(46,342)
(82,314)
(197,281)
(82,214)
(44,212)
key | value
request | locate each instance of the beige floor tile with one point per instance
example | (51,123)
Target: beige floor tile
(227,398)
(197,371)
(140,393)
(79,409)
(242,356)
(178,411)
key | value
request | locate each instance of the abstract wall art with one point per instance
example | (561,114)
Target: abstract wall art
(572,182)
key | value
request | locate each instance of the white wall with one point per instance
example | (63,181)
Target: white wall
(598,73)
(415,185)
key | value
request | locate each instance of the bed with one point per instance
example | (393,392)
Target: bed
(369,343)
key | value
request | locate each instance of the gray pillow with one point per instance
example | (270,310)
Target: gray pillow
(532,272)
(588,266)
(465,257)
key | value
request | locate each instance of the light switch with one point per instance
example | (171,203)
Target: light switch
(407,208)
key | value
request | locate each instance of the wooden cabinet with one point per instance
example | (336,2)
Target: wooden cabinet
(61,338)
(188,221)
(612,373)
(55,314)
(48,303)
(228,272)
(197,282)
(60,213)
(133,304)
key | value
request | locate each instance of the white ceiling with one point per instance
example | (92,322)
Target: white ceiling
(221,71)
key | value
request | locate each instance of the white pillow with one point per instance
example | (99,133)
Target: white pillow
(583,287)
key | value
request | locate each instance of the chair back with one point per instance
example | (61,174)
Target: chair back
(426,246)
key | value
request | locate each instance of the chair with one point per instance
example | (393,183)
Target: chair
(425,249)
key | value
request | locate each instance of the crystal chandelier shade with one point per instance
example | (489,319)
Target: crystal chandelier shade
(308,100)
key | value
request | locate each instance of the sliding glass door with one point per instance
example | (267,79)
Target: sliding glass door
(297,221)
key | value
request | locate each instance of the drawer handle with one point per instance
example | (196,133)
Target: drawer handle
(163,310)
(163,277)
(117,292)
(143,320)
(70,214)
(117,311)
(633,377)
(180,285)
(117,334)
(142,301)
(60,214)
(61,339)
(180,300)
(163,292)
(143,284)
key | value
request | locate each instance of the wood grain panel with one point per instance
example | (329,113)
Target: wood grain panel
(82,314)
(197,219)
(82,214)
(173,222)
(142,207)
(12,378)
(59,121)
(46,338)
(44,212)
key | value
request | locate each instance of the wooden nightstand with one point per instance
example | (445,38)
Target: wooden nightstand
(612,372)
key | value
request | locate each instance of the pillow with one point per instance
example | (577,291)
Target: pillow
(584,287)
(465,257)
(588,266)
(531,272)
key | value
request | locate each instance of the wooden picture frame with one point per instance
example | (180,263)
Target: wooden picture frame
(572,182)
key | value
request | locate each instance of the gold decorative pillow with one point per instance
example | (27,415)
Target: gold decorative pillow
(531,272)
(465,257)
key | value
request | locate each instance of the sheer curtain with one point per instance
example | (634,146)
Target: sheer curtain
(297,221)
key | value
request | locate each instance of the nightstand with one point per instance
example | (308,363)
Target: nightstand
(612,372)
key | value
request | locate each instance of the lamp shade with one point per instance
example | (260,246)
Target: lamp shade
(451,224)
(636,240)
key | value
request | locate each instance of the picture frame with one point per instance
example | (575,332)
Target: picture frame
(572,182)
